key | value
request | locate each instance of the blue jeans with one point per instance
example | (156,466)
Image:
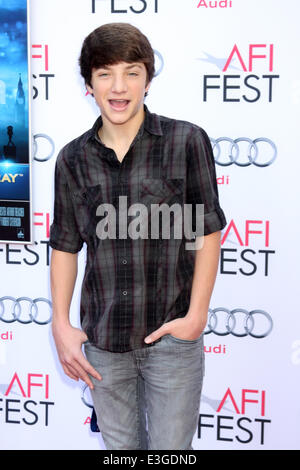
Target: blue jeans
(149,398)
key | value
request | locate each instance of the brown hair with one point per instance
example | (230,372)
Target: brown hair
(113,43)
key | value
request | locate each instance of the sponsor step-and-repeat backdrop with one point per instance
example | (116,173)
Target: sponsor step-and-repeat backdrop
(231,67)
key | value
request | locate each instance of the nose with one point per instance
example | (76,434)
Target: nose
(119,84)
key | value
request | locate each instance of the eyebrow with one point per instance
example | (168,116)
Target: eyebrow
(136,64)
(130,66)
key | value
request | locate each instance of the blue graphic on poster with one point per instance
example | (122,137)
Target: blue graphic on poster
(14,123)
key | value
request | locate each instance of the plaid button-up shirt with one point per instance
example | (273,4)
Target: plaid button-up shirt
(132,285)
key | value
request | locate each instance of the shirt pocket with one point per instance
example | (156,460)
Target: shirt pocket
(86,201)
(167,191)
(159,191)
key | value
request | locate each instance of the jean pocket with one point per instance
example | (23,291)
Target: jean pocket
(186,341)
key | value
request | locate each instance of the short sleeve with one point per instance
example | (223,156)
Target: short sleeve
(201,185)
(64,234)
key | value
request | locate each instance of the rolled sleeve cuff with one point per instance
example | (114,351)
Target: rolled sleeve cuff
(64,240)
(214,221)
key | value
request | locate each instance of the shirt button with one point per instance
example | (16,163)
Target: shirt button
(124,292)
(124,261)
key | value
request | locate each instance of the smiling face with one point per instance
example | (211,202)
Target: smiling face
(119,91)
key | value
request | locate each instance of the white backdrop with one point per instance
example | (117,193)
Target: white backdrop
(251,391)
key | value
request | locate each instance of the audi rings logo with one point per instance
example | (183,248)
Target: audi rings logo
(83,397)
(239,322)
(25,310)
(93,419)
(244,151)
(159,63)
(46,144)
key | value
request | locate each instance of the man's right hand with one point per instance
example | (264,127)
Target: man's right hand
(69,342)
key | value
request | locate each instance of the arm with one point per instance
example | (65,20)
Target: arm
(68,339)
(205,271)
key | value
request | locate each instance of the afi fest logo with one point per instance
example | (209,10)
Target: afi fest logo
(239,255)
(43,81)
(126,6)
(26,400)
(255,80)
(238,417)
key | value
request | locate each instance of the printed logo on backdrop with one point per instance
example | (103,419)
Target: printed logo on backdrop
(159,63)
(25,310)
(124,6)
(215,4)
(42,82)
(25,400)
(247,248)
(238,322)
(87,401)
(43,147)
(237,417)
(243,151)
(6,336)
(252,79)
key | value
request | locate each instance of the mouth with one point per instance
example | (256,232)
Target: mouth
(119,105)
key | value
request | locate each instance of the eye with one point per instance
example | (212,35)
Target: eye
(133,73)
(102,73)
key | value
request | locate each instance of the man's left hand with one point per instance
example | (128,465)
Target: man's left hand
(187,328)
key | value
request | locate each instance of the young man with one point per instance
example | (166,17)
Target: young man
(144,299)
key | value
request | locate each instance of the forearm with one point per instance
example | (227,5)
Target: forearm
(205,272)
(68,339)
(63,273)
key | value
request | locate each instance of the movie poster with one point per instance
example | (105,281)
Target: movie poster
(15,135)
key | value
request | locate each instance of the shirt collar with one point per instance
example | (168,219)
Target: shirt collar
(151,123)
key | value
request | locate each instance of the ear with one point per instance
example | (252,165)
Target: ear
(147,87)
(89,89)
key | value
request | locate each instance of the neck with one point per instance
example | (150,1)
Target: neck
(113,134)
